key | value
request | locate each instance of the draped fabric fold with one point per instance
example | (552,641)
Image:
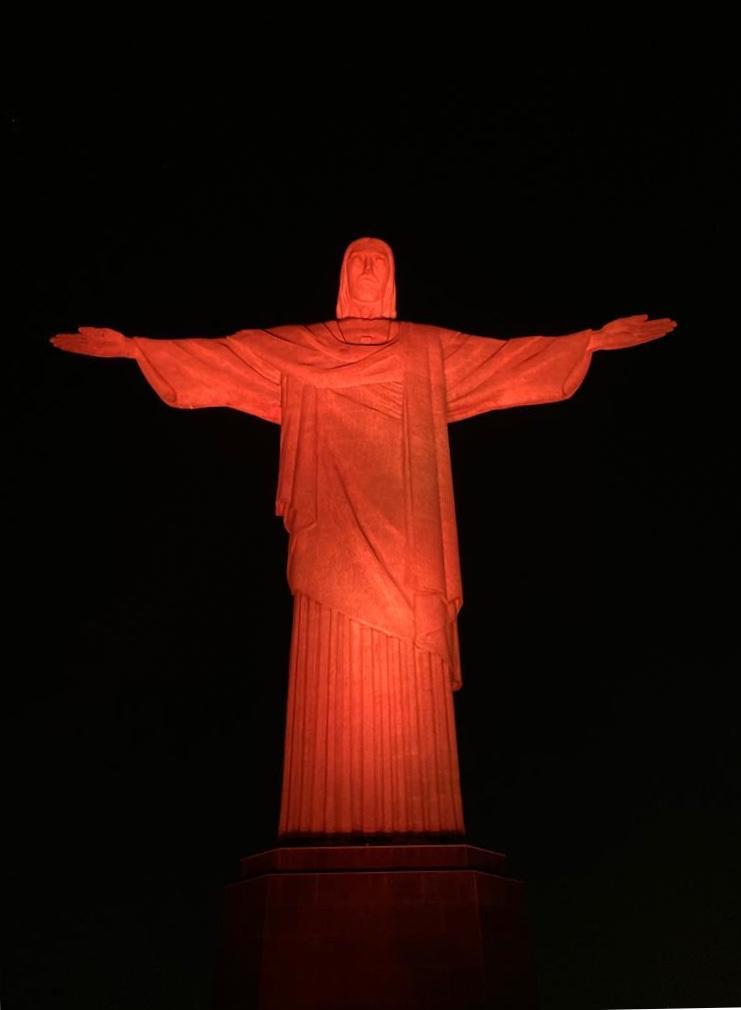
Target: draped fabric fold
(408,486)
(433,568)
(365,486)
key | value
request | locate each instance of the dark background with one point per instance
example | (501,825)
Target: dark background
(148,615)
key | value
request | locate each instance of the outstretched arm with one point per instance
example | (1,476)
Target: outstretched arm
(193,372)
(483,373)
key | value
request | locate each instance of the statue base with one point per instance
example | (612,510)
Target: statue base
(375,926)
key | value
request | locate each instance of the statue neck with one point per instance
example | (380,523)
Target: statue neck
(367,331)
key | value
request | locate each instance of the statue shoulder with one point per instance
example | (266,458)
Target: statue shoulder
(323,328)
(297,333)
(429,331)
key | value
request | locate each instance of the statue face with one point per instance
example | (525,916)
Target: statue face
(367,274)
(367,288)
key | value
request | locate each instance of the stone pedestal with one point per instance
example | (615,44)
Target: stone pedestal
(375,926)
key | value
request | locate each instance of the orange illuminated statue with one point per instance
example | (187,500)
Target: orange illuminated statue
(366,492)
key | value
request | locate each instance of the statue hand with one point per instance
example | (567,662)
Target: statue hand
(98,341)
(628,331)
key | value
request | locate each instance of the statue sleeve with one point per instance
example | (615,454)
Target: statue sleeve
(483,373)
(211,372)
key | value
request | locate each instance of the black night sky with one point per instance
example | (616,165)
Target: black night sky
(149,618)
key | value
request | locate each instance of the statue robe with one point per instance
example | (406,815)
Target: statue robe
(365,490)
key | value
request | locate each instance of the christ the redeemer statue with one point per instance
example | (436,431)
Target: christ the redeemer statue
(366,493)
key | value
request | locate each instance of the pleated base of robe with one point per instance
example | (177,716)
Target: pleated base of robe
(370,733)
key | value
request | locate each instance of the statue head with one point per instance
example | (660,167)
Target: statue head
(367,284)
